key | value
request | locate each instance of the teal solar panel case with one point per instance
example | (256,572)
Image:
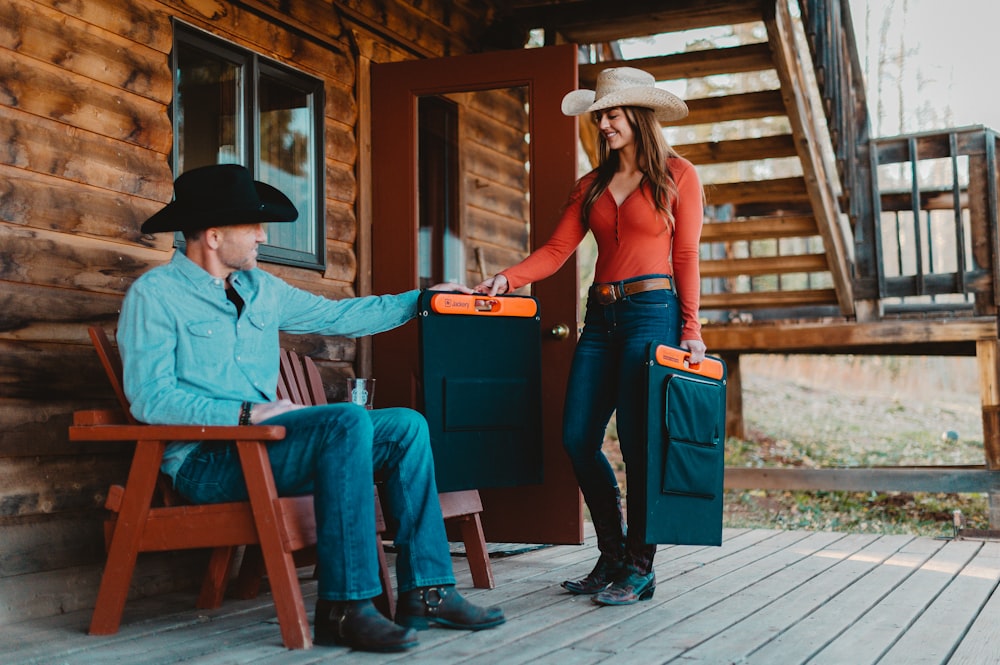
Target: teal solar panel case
(480,359)
(685,448)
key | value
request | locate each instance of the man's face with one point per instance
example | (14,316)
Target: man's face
(237,248)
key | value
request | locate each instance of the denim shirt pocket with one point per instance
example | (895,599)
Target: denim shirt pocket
(255,337)
(205,329)
(204,341)
(259,319)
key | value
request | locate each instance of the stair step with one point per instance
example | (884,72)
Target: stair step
(768,299)
(744,106)
(691,64)
(764,265)
(788,226)
(739,150)
(780,190)
(609,21)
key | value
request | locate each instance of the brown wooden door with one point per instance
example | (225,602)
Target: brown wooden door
(550,512)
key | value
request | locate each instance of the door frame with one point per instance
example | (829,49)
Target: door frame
(547,513)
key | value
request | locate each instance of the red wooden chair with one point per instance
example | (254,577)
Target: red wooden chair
(280,526)
(301,383)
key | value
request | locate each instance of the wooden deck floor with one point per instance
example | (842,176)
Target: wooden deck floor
(768,597)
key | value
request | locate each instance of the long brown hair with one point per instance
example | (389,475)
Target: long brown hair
(651,154)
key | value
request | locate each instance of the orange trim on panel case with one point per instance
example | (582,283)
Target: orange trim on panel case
(670,356)
(480,305)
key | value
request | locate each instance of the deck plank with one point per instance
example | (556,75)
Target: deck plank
(981,643)
(933,636)
(870,637)
(848,560)
(764,596)
(808,636)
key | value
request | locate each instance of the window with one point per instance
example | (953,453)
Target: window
(440,251)
(232,106)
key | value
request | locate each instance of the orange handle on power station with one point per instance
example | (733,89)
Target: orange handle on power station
(482,305)
(670,356)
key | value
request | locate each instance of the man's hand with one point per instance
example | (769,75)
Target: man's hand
(450,286)
(261,412)
(696,348)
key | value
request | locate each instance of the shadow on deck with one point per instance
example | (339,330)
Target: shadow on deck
(765,596)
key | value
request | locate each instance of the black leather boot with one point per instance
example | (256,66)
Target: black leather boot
(607,516)
(446,607)
(358,625)
(631,587)
(606,571)
(638,553)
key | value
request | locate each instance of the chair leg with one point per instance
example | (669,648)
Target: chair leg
(213,586)
(279,562)
(386,601)
(248,580)
(462,508)
(126,539)
(475,551)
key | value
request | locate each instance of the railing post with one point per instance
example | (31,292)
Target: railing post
(990,139)
(987,357)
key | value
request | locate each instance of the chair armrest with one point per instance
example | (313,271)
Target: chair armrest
(176,433)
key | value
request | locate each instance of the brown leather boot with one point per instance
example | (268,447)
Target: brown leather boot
(446,607)
(358,625)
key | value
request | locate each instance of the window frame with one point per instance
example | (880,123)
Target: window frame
(254,65)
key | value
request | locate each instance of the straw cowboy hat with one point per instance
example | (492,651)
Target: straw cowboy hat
(220,195)
(625,86)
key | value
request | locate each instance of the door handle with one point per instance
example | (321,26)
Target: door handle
(559,332)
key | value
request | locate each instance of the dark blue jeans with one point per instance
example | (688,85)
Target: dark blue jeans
(608,374)
(331,452)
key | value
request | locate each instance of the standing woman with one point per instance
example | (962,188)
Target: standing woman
(644,205)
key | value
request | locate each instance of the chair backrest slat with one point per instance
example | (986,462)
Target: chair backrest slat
(288,387)
(112,363)
(305,386)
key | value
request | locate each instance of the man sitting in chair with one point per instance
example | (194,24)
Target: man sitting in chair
(199,344)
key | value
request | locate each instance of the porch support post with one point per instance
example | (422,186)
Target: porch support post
(987,358)
(734,397)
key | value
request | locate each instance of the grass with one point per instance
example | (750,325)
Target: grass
(837,411)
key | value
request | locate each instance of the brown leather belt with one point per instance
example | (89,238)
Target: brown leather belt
(607,293)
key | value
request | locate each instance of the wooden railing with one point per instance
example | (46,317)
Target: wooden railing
(923,207)
(935,221)
(830,34)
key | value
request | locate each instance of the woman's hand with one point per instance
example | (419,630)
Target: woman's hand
(696,348)
(496,285)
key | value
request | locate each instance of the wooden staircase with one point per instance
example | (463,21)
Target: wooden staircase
(777,245)
(853,250)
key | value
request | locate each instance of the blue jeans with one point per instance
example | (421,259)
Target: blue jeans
(332,451)
(609,374)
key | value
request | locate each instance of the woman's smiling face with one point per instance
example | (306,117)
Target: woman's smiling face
(614,125)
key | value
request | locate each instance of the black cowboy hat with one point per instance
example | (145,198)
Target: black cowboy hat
(220,195)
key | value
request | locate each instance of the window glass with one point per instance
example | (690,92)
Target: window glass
(207,115)
(234,107)
(286,157)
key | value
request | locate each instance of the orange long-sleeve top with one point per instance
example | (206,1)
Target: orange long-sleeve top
(632,240)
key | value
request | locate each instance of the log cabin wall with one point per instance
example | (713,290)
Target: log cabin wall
(85,89)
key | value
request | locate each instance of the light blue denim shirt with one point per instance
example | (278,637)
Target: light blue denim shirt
(188,359)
